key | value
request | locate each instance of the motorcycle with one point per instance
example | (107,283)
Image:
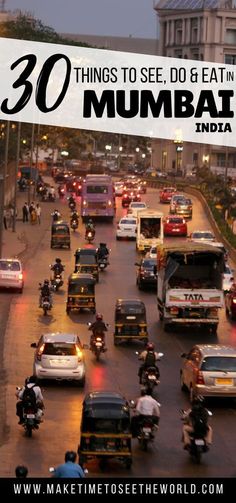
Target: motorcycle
(90,235)
(31,419)
(147,432)
(103,263)
(56,281)
(72,205)
(150,379)
(45,305)
(198,444)
(98,345)
(74,224)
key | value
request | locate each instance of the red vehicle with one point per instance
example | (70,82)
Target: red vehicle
(174,225)
(129,196)
(230,302)
(166,194)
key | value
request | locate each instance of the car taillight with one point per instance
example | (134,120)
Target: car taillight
(98,339)
(84,203)
(125,195)
(40,352)
(74,184)
(167,221)
(200,379)
(109,203)
(20,275)
(174,310)
(79,353)
(183,221)
(234,301)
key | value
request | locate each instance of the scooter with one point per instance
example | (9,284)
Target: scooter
(98,345)
(90,235)
(103,263)
(150,379)
(31,418)
(56,281)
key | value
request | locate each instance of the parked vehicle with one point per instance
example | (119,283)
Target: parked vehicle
(190,285)
(209,370)
(105,428)
(11,274)
(149,229)
(130,321)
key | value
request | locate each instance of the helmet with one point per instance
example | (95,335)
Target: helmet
(58,260)
(150,346)
(99,316)
(21,471)
(70,456)
(46,282)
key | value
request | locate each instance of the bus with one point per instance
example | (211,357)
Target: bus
(98,197)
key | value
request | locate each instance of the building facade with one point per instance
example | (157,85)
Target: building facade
(202,30)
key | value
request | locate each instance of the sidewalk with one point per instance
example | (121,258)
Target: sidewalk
(26,236)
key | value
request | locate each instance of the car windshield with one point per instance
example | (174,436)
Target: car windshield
(60,229)
(176,220)
(9,266)
(148,264)
(78,289)
(59,349)
(128,222)
(131,309)
(219,364)
(202,235)
(137,205)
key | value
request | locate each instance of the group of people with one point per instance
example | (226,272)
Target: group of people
(31,213)
(68,469)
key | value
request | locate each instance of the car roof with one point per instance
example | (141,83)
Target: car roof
(216,350)
(60,337)
(129,301)
(10,260)
(104,397)
(129,217)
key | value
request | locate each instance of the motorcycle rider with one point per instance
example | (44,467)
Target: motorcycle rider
(58,268)
(69,469)
(149,357)
(56,215)
(72,202)
(30,382)
(98,328)
(45,292)
(146,407)
(196,420)
(90,227)
(74,217)
(102,252)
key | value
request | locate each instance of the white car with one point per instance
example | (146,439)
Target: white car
(202,236)
(11,274)
(134,207)
(228,278)
(127,228)
(59,356)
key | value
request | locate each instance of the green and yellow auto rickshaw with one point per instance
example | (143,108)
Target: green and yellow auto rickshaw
(105,428)
(130,321)
(86,262)
(60,235)
(81,292)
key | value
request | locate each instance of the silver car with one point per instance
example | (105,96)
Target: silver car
(59,356)
(209,370)
(11,274)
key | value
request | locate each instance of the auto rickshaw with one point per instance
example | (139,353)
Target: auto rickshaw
(60,235)
(81,292)
(105,428)
(86,262)
(130,321)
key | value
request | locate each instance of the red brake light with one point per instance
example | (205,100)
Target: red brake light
(200,379)
(40,352)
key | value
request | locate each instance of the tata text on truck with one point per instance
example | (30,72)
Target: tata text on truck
(149,229)
(189,287)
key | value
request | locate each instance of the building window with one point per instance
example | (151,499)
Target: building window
(230,59)
(178,31)
(220,159)
(230,37)
(194,30)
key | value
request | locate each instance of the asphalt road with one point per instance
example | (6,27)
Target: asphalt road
(116,371)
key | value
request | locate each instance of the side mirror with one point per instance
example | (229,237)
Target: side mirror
(33,345)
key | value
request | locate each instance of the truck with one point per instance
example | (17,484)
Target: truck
(189,285)
(149,229)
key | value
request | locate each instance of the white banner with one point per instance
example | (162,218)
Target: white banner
(118,92)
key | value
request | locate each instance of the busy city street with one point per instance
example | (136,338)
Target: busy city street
(118,367)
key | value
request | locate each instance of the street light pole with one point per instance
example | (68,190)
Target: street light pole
(16,173)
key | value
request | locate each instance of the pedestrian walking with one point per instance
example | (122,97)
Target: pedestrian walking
(25,211)
(5,215)
(38,213)
(31,207)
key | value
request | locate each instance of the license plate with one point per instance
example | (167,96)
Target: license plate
(30,416)
(223,381)
(147,430)
(199,442)
(58,363)
(152,378)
